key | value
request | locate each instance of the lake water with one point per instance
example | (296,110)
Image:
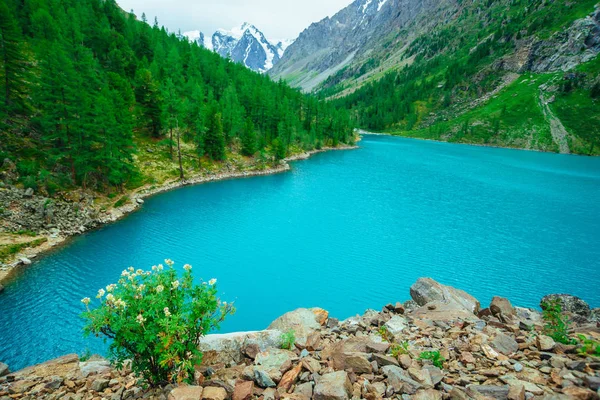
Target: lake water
(345,230)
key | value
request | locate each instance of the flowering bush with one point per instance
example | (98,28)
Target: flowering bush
(156,319)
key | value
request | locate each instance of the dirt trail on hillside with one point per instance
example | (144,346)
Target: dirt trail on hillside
(557,129)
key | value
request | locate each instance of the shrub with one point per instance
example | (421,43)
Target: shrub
(122,201)
(588,346)
(156,320)
(399,348)
(557,324)
(288,340)
(434,356)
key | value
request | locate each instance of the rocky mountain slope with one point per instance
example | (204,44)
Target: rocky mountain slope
(439,345)
(245,44)
(509,73)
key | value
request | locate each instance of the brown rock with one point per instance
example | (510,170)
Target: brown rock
(580,393)
(243,390)
(505,344)
(383,360)
(251,351)
(545,343)
(501,306)
(467,357)
(426,290)
(313,341)
(516,392)
(333,386)
(377,347)
(290,377)
(312,365)
(214,393)
(186,393)
(427,394)
(320,315)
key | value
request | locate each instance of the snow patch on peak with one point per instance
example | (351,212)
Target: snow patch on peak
(193,35)
(366,5)
(381,4)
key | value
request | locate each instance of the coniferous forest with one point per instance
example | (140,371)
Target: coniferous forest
(83,82)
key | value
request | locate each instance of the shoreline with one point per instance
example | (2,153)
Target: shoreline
(137,196)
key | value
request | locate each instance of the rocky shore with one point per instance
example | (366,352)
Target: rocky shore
(496,352)
(57,219)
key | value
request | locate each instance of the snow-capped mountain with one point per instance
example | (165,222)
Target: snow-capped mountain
(244,44)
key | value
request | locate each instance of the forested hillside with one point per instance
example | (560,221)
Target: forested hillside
(88,91)
(516,73)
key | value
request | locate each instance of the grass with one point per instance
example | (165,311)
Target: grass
(8,251)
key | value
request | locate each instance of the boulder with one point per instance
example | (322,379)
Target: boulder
(501,306)
(355,361)
(383,360)
(94,367)
(99,385)
(447,312)
(243,390)
(25,260)
(262,378)
(572,304)
(396,325)
(186,393)
(274,358)
(229,348)
(505,344)
(400,381)
(214,393)
(4,369)
(302,321)
(426,290)
(305,389)
(545,343)
(333,386)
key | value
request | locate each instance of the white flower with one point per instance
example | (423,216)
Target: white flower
(175,284)
(154,268)
(111,288)
(167,312)
(125,273)
(100,293)
(139,272)
(160,288)
(187,267)
(110,298)
(160,267)
(85,300)
(131,269)
(141,288)
(140,319)
(212,281)
(169,262)
(120,303)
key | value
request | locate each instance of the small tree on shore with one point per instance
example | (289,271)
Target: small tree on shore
(156,319)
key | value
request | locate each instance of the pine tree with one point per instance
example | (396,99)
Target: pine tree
(214,140)
(249,145)
(13,67)
(149,102)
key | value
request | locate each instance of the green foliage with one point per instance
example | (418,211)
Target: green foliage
(588,346)
(156,319)
(398,349)
(434,356)
(122,201)
(288,339)
(79,77)
(10,250)
(557,324)
(385,334)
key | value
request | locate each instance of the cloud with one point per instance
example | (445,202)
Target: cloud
(280,19)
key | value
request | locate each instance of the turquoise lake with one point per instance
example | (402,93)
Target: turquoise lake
(345,230)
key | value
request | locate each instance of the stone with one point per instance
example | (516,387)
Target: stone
(501,306)
(569,303)
(400,381)
(383,360)
(312,365)
(305,389)
(427,394)
(426,290)
(139,201)
(396,325)
(28,192)
(269,394)
(262,378)
(518,367)
(186,393)
(274,358)
(99,385)
(491,391)
(302,321)
(93,367)
(243,390)
(214,393)
(321,315)
(313,341)
(4,369)
(440,311)
(580,393)
(382,347)
(54,382)
(505,344)
(355,361)
(489,352)
(251,350)
(516,392)
(290,377)
(25,260)
(228,348)
(333,386)
(593,382)
(436,374)
(545,343)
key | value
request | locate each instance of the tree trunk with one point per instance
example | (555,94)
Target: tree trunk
(181,176)
(171,143)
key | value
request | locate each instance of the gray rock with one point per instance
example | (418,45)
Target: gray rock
(333,386)
(305,389)
(262,379)
(302,321)
(99,385)
(518,367)
(426,290)
(569,303)
(54,382)
(505,344)
(396,325)
(400,380)
(4,369)
(383,360)
(594,314)
(28,192)
(229,348)
(93,367)
(25,260)
(274,358)
(495,392)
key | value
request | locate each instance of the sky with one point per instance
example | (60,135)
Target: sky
(277,19)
